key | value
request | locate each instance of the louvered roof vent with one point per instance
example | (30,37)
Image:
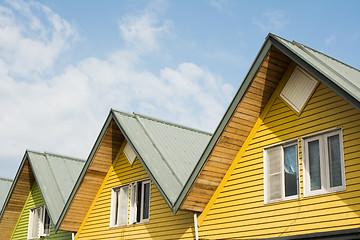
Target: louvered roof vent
(298,89)
(129,153)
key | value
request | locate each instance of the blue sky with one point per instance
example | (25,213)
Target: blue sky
(64,64)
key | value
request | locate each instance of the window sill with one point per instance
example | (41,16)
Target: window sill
(283,200)
(116,226)
(322,192)
(145,221)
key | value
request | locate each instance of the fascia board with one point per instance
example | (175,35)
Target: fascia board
(13,184)
(225,119)
(83,171)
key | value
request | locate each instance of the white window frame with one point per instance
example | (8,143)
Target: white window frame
(39,230)
(116,206)
(134,202)
(324,162)
(266,183)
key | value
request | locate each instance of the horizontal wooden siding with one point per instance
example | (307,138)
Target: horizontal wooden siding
(240,212)
(163,223)
(21,230)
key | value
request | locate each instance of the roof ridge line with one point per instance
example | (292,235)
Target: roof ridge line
(173,124)
(121,112)
(336,60)
(157,149)
(65,156)
(303,47)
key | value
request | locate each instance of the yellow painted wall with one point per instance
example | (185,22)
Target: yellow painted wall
(21,228)
(163,223)
(239,210)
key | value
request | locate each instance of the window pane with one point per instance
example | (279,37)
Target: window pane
(133,203)
(334,161)
(274,160)
(46,223)
(314,162)
(146,201)
(36,221)
(123,205)
(138,202)
(116,210)
(273,173)
(274,186)
(290,170)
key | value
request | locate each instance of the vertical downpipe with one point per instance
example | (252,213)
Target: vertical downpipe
(196,227)
(73,236)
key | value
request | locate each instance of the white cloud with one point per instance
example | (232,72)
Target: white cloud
(272,20)
(143,32)
(28,46)
(64,113)
(330,39)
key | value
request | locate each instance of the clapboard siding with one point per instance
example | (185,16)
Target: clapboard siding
(239,210)
(34,199)
(237,129)
(94,177)
(162,225)
(17,200)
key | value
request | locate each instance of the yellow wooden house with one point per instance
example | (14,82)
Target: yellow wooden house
(284,162)
(133,179)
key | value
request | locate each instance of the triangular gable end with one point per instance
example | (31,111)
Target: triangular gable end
(14,203)
(92,176)
(237,123)
(269,67)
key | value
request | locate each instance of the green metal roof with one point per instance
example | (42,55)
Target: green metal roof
(338,76)
(169,152)
(5,185)
(55,175)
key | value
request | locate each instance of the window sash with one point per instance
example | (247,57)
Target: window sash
(39,223)
(44,223)
(133,203)
(140,202)
(33,226)
(119,206)
(325,165)
(275,172)
(145,201)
